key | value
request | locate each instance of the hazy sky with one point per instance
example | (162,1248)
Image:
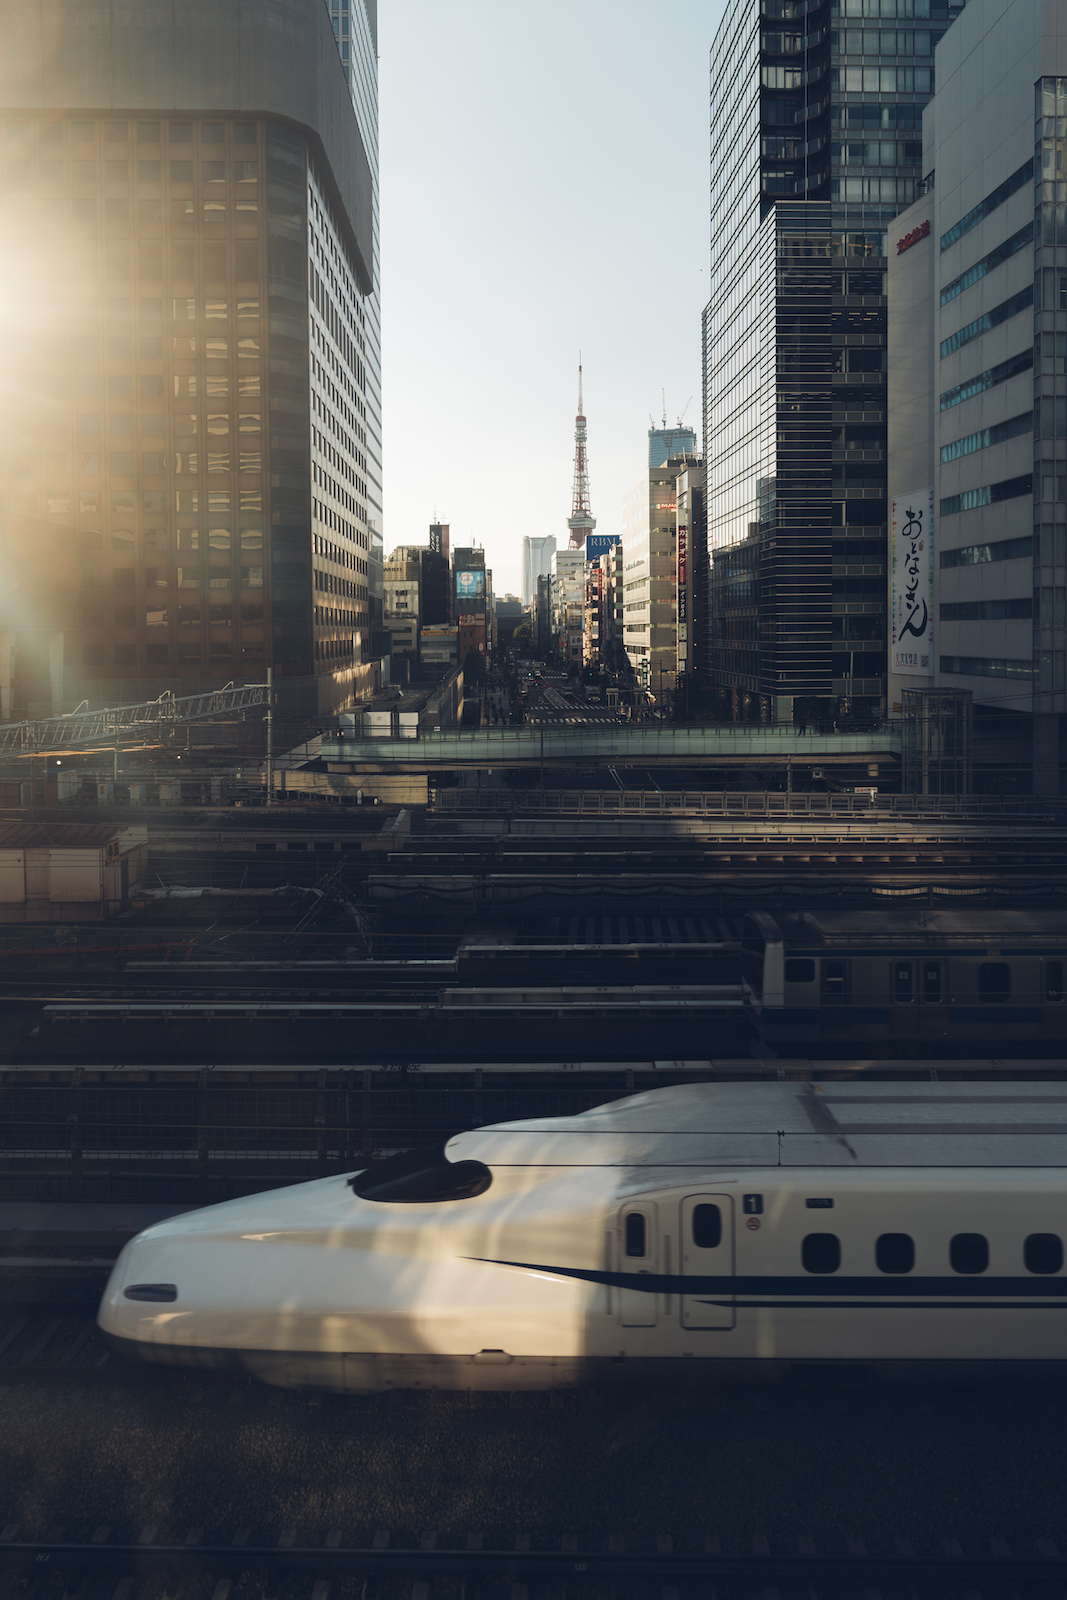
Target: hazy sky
(544,189)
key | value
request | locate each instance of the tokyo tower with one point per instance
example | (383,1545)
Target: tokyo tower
(580,521)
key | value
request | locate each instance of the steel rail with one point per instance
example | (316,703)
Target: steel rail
(325,1560)
(717,997)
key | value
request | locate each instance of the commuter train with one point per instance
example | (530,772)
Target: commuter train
(692,1233)
(906,975)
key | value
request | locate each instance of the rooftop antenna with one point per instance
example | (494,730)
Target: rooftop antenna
(663,392)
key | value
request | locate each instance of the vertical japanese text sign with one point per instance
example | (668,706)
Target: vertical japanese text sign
(912,543)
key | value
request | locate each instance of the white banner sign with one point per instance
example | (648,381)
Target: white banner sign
(912,543)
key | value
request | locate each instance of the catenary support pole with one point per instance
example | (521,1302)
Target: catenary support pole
(270,736)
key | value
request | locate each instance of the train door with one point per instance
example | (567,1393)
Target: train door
(637,1307)
(902,997)
(1052,999)
(932,986)
(706,1256)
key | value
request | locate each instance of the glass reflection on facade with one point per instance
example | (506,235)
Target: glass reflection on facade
(1050,396)
(816,145)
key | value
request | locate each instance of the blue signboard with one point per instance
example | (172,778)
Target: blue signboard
(597,544)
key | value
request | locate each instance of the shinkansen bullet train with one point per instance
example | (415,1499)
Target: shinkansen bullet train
(692,1233)
(906,975)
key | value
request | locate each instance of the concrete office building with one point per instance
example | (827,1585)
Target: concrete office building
(472,600)
(650,578)
(508,614)
(815,119)
(568,604)
(593,609)
(191,373)
(437,578)
(403,603)
(977,393)
(537,556)
(691,553)
(612,648)
(541,618)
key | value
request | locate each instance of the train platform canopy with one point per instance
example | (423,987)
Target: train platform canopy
(57,835)
(888,924)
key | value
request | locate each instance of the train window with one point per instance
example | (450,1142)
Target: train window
(800,969)
(1043,1252)
(968,1252)
(834,981)
(821,1252)
(903,993)
(994,982)
(707,1227)
(931,971)
(417,1177)
(894,1252)
(635,1234)
(1054,982)
(157,1292)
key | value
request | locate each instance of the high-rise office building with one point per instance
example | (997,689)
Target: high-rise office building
(537,556)
(663,443)
(472,601)
(191,375)
(568,600)
(650,576)
(816,145)
(978,405)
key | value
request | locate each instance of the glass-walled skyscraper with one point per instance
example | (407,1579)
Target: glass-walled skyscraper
(190,395)
(816,145)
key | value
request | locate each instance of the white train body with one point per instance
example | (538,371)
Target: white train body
(692,1233)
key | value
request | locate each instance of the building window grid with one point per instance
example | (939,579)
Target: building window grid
(340,512)
(731,382)
(120,489)
(1050,362)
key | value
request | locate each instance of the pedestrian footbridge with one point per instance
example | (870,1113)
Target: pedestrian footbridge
(593,745)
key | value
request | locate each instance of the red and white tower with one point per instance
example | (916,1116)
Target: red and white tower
(580,521)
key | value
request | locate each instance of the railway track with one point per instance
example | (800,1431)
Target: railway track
(266,1536)
(565,1565)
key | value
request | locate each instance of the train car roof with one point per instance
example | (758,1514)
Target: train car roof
(667,1136)
(923,926)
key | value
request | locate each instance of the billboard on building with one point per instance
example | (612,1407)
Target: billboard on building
(598,544)
(470,585)
(912,582)
(683,597)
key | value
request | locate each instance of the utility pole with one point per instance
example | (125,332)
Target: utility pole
(270,736)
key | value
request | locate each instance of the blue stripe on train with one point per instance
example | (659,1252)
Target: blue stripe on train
(810,1016)
(867,1016)
(988,1014)
(966,1288)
